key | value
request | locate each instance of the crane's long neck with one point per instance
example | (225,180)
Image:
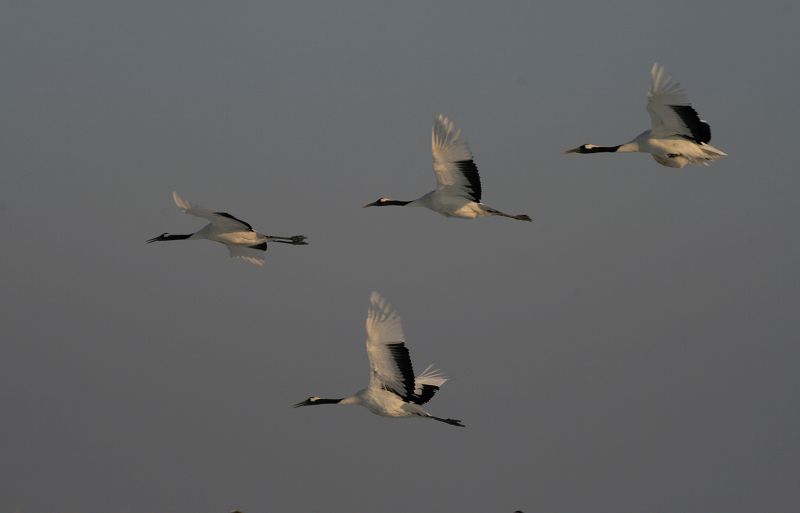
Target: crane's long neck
(384,201)
(630,147)
(314,400)
(167,236)
(352,399)
(326,401)
(590,148)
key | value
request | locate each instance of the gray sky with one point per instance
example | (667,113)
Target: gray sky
(633,350)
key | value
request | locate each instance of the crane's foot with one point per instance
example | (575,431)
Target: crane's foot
(296,240)
(299,240)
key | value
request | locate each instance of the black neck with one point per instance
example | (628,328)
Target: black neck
(393,202)
(327,401)
(176,237)
(601,149)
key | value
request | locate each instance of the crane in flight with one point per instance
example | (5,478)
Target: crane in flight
(242,241)
(458,185)
(393,390)
(677,137)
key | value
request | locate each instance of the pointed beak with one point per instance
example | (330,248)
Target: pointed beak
(302,403)
(153,239)
(573,150)
(370,204)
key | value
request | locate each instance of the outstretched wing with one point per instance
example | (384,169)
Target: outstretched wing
(670,110)
(250,254)
(390,363)
(452,161)
(223,220)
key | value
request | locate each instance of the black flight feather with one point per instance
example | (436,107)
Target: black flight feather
(701,131)
(427,393)
(470,172)
(225,214)
(402,359)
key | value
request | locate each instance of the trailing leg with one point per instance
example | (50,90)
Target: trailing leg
(518,217)
(297,240)
(452,422)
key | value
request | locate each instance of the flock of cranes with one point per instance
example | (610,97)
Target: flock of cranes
(677,138)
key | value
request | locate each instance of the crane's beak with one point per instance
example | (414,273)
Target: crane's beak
(370,204)
(154,239)
(573,150)
(302,403)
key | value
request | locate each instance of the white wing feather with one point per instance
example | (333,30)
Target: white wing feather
(224,223)
(249,255)
(662,94)
(383,327)
(429,376)
(449,149)
(188,208)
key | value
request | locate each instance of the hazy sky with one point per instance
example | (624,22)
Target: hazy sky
(634,349)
